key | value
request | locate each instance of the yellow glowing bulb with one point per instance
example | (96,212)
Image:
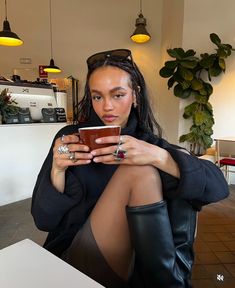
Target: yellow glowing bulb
(140,38)
(8,41)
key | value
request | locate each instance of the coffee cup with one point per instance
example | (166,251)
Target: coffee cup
(88,135)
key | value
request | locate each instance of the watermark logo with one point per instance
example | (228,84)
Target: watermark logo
(220,277)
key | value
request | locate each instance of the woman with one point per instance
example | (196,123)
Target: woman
(111,212)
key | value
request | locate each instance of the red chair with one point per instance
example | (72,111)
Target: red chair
(225,155)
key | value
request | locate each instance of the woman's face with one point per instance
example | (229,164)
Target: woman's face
(111,94)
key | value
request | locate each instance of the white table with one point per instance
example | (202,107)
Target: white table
(28,265)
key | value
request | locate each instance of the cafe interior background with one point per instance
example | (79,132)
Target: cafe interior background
(82,28)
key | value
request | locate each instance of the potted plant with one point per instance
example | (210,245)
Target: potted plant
(7,106)
(190,77)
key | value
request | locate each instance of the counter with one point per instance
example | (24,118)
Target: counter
(23,148)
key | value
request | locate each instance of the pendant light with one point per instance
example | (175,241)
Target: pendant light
(140,34)
(7,37)
(52,68)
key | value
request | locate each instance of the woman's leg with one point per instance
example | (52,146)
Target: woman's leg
(132,186)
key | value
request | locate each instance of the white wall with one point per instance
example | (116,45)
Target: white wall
(172,30)
(200,19)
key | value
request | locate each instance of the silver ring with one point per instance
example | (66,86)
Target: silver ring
(72,156)
(62,138)
(120,153)
(63,149)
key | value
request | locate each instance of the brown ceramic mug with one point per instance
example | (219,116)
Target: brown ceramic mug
(88,135)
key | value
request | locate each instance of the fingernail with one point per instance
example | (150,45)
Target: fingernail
(98,140)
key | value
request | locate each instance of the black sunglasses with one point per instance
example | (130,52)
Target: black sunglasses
(118,54)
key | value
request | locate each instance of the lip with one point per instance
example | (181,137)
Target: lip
(109,118)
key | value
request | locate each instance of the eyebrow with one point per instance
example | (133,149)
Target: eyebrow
(112,90)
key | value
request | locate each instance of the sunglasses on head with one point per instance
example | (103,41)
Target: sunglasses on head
(118,55)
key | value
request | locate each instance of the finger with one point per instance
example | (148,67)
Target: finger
(108,139)
(69,139)
(65,160)
(114,158)
(104,151)
(78,148)
(104,159)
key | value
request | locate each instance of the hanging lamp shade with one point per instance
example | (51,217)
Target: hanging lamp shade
(7,37)
(52,68)
(140,34)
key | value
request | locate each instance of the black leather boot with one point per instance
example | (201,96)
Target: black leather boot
(156,253)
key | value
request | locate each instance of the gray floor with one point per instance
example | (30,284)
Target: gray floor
(16,223)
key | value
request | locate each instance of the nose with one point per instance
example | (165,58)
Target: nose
(108,105)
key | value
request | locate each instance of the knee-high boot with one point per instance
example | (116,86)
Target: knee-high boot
(152,239)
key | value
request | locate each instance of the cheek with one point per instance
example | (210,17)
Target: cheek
(126,105)
(96,106)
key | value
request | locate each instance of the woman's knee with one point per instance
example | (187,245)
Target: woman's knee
(144,183)
(139,174)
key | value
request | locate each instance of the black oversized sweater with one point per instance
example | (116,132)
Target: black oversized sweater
(63,214)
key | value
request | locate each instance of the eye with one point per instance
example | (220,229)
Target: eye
(96,98)
(119,95)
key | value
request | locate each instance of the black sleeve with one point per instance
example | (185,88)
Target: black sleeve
(200,180)
(49,205)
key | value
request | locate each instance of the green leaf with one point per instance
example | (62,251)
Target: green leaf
(190,109)
(171,64)
(188,64)
(201,99)
(215,70)
(179,92)
(185,73)
(199,118)
(215,38)
(166,72)
(207,141)
(171,82)
(189,53)
(207,61)
(186,137)
(221,53)
(222,64)
(186,93)
(208,88)
(196,84)
(208,131)
(177,53)
(209,107)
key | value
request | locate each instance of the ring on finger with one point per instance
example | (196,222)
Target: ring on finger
(63,149)
(120,153)
(72,157)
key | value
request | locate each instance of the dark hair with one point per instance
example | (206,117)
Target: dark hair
(143,111)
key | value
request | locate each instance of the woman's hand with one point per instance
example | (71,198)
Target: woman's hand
(67,152)
(77,153)
(136,152)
